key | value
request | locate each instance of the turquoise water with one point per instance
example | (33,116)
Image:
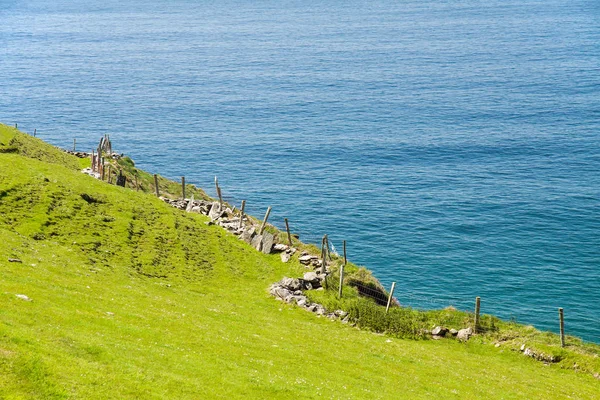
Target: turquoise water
(454,144)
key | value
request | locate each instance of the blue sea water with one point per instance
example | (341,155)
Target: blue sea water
(454,144)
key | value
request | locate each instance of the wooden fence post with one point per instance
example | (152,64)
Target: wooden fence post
(389,302)
(108,179)
(287,228)
(342,273)
(183,187)
(561,317)
(137,188)
(220,197)
(218,191)
(156,185)
(324,255)
(477,308)
(242,214)
(264,223)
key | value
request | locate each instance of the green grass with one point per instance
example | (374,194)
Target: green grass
(134,299)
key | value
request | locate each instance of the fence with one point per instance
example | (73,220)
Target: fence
(545,318)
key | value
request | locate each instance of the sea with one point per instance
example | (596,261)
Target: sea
(453,144)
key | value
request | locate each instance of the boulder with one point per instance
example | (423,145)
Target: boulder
(302,302)
(215,211)
(23,297)
(312,278)
(453,332)
(280,247)
(306,259)
(293,284)
(257,242)
(464,334)
(285,257)
(282,293)
(190,205)
(439,331)
(248,234)
(267,242)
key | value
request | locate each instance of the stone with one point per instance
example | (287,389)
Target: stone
(15,260)
(190,205)
(528,352)
(293,284)
(282,293)
(285,257)
(439,331)
(306,259)
(280,247)
(302,302)
(215,211)
(209,223)
(311,308)
(267,242)
(248,234)
(464,334)
(311,277)
(523,347)
(257,242)
(23,297)
(196,209)
(453,332)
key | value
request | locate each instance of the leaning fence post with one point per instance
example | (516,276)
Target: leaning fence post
(183,187)
(324,256)
(156,184)
(561,317)
(342,272)
(218,189)
(477,308)
(242,214)
(220,197)
(389,302)
(287,228)
(264,223)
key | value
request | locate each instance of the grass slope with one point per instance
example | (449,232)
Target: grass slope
(134,299)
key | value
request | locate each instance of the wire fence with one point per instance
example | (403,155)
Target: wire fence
(443,309)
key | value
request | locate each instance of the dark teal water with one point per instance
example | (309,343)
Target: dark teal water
(454,144)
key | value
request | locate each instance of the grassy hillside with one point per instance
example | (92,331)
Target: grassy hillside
(131,298)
